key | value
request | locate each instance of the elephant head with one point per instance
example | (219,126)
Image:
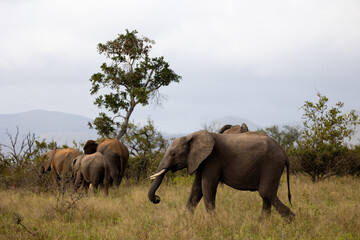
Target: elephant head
(184,152)
(90,147)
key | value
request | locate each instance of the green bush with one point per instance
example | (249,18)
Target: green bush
(326,161)
(322,151)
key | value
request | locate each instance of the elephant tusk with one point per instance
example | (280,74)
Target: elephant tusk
(157,174)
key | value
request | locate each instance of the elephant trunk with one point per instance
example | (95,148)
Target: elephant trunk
(154,186)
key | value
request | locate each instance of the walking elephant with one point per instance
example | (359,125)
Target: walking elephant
(249,161)
(58,161)
(90,169)
(233,129)
(116,156)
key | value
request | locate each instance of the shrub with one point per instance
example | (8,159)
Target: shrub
(322,151)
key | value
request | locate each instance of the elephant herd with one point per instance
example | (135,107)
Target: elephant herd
(102,164)
(235,156)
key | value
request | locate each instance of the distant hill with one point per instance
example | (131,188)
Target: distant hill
(49,125)
(64,128)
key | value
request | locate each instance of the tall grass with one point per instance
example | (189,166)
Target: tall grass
(328,209)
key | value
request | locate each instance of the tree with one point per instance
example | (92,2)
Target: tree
(132,78)
(286,137)
(327,126)
(322,150)
(146,145)
(211,126)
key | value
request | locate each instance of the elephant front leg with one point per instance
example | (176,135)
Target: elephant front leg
(195,195)
(209,191)
(210,177)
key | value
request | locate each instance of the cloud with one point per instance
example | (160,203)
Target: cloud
(254,59)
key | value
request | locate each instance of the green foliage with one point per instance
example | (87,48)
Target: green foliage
(286,137)
(322,152)
(132,78)
(326,161)
(324,126)
(147,146)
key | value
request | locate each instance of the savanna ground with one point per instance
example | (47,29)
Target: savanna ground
(329,209)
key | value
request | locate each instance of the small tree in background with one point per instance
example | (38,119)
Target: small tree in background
(286,137)
(322,150)
(20,164)
(146,145)
(132,78)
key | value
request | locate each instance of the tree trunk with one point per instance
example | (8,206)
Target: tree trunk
(127,118)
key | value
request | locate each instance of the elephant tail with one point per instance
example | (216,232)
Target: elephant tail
(50,159)
(287,164)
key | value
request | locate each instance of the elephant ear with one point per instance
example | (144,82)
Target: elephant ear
(224,128)
(49,156)
(200,145)
(244,128)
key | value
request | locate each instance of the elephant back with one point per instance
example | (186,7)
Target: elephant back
(113,146)
(62,160)
(69,154)
(116,156)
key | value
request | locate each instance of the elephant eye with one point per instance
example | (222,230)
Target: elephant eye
(173,154)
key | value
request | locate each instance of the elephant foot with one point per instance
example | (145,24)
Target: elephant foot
(290,218)
(265,216)
(283,210)
(190,209)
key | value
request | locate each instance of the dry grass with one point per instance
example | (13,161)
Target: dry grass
(325,210)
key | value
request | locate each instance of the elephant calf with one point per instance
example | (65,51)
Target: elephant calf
(90,168)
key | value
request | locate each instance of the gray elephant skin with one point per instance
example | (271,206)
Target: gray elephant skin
(58,161)
(249,161)
(90,168)
(233,129)
(116,156)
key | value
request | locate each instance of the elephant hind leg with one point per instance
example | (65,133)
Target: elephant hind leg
(106,189)
(266,209)
(283,210)
(86,187)
(267,193)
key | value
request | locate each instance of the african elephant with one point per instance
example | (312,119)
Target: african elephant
(116,156)
(58,161)
(90,169)
(233,129)
(249,161)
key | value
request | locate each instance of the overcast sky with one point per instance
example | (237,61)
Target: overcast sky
(258,60)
